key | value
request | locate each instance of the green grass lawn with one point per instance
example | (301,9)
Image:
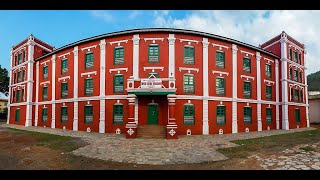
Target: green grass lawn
(282,141)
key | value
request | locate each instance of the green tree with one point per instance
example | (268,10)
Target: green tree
(4,81)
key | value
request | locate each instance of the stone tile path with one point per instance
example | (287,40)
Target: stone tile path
(187,149)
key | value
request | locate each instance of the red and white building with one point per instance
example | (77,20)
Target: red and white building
(189,82)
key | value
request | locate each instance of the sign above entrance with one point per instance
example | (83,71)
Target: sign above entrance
(151,83)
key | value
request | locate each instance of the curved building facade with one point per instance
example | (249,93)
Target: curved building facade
(186,82)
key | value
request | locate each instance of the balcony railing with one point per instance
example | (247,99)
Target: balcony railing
(269,120)
(44,118)
(268,74)
(188,60)
(221,120)
(220,64)
(220,91)
(188,89)
(118,89)
(45,76)
(188,120)
(45,97)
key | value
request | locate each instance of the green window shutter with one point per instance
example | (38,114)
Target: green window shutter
(156,75)
(269,115)
(247,115)
(17,119)
(247,64)
(44,93)
(64,66)
(295,56)
(268,71)
(268,92)
(44,114)
(45,72)
(88,86)
(64,89)
(118,55)
(296,95)
(299,58)
(220,60)
(153,53)
(18,96)
(301,96)
(88,114)
(220,86)
(291,54)
(118,114)
(188,55)
(290,73)
(89,60)
(20,58)
(300,80)
(297,112)
(19,76)
(188,84)
(64,114)
(247,90)
(221,115)
(118,83)
(22,95)
(295,73)
(188,114)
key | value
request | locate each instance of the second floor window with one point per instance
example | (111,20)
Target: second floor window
(300,59)
(89,60)
(290,73)
(268,92)
(247,90)
(220,59)
(188,55)
(44,93)
(118,81)
(247,65)
(118,55)
(301,77)
(64,66)
(18,96)
(220,87)
(269,115)
(247,115)
(188,83)
(301,96)
(23,75)
(22,95)
(89,87)
(268,71)
(19,76)
(45,72)
(64,89)
(153,53)
(290,53)
(296,95)
(295,77)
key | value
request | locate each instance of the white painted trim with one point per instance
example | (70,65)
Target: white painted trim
(234,89)
(291,44)
(153,39)
(293,82)
(45,83)
(118,69)
(136,111)
(205,103)
(189,41)
(248,77)
(88,73)
(44,63)
(53,93)
(220,73)
(30,44)
(75,88)
(19,65)
(23,46)
(64,55)
(268,82)
(64,78)
(37,93)
(220,46)
(135,64)
(88,47)
(271,44)
(292,62)
(258,58)
(153,68)
(296,67)
(43,47)
(171,41)
(296,86)
(277,95)
(247,53)
(118,42)
(284,72)
(102,108)
(188,69)
(269,60)
(19,84)
(19,68)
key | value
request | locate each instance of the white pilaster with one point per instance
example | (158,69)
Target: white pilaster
(136,111)
(285,120)
(306,92)
(234,89)
(9,95)
(205,121)
(135,69)
(36,118)
(277,95)
(53,94)
(171,40)
(102,85)
(75,89)
(30,44)
(259,91)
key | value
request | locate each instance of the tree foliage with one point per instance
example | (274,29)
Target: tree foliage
(314,81)
(4,81)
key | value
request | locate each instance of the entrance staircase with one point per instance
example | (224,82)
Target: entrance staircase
(151,131)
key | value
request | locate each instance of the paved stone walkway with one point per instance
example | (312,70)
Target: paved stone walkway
(187,149)
(301,157)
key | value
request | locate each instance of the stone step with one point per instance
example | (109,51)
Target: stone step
(151,131)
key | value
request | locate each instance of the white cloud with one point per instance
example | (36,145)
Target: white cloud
(253,27)
(134,14)
(104,15)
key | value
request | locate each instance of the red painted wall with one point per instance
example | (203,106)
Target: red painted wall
(96,116)
(213,127)
(69,124)
(264,116)
(109,126)
(292,117)
(22,115)
(241,125)
(47,123)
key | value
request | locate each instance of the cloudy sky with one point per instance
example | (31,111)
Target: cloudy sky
(59,28)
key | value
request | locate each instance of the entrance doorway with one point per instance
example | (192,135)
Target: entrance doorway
(153,113)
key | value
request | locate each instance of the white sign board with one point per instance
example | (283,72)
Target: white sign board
(151,83)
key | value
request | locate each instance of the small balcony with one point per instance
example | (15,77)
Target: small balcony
(118,119)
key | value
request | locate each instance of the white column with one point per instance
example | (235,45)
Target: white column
(205,107)
(9,95)
(277,95)
(306,91)
(53,94)
(102,85)
(171,40)
(135,69)
(285,120)
(75,89)
(36,118)
(30,44)
(234,89)
(259,91)
(136,111)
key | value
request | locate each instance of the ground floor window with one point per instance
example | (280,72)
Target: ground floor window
(297,116)
(88,114)
(221,115)
(64,114)
(118,114)
(269,115)
(247,115)
(188,114)
(17,115)
(44,114)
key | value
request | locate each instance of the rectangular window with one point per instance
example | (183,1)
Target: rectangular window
(268,92)
(188,55)
(118,55)
(44,93)
(23,75)
(18,96)
(220,59)
(64,114)
(153,75)
(118,83)
(220,87)
(300,59)
(268,71)
(301,77)
(64,66)
(19,76)
(88,87)
(44,114)
(295,75)
(20,58)
(269,115)
(17,119)
(247,90)
(247,64)
(88,114)
(188,115)
(13,95)
(291,94)
(118,114)
(188,84)
(291,55)
(45,72)
(247,115)
(296,95)
(15,78)
(221,115)
(297,116)
(64,89)
(290,73)
(295,56)
(301,96)
(153,53)
(89,60)
(22,95)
